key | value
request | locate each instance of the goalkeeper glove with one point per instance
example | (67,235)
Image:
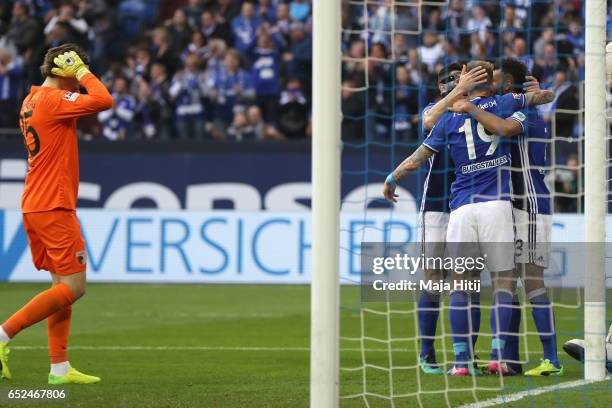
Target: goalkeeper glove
(69,65)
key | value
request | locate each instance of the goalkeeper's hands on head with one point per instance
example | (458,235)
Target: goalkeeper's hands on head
(69,65)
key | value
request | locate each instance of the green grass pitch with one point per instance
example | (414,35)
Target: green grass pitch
(247,346)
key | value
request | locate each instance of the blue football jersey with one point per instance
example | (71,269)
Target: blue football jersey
(482,160)
(440,177)
(529,190)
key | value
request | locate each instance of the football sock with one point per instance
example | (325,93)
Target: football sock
(428,312)
(511,351)
(501,312)
(3,336)
(60,368)
(460,327)
(475,316)
(40,307)
(58,328)
(544,319)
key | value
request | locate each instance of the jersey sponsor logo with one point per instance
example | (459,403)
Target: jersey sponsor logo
(71,96)
(488,164)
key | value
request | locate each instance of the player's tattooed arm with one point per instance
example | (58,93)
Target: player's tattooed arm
(491,122)
(539,97)
(413,162)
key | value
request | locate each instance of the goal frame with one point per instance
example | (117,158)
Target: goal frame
(595,190)
(326,150)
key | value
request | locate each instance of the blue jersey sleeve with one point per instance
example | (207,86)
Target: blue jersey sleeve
(510,103)
(436,140)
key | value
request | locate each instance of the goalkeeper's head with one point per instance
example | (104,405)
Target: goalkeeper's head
(448,77)
(48,64)
(509,76)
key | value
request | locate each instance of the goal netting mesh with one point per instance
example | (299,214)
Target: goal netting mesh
(392,51)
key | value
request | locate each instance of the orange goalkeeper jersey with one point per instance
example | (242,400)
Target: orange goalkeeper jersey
(48,123)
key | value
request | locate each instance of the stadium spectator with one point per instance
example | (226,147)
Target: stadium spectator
(266,10)
(76,26)
(160,93)
(566,183)
(193,10)
(179,30)
(299,55)
(406,100)
(187,93)
(431,50)
(211,28)
(11,73)
(566,99)
(244,28)
(117,122)
(229,85)
(196,46)
(519,52)
(266,75)
(25,31)
(293,112)
(479,23)
(283,20)
(147,110)
(261,129)
(353,111)
(545,67)
(240,129)
(161,49)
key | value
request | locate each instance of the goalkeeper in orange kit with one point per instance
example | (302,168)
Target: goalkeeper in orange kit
(48,123)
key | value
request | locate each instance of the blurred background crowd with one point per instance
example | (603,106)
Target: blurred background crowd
(240,69)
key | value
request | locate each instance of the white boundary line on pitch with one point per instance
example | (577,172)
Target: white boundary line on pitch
(529,393)
(204,348)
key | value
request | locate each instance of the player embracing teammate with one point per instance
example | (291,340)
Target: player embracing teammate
(531,210)
(453,83)
(48,122)
(481,219)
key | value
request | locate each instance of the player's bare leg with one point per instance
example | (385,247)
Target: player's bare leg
(504,287)
(543,318)
(58,330)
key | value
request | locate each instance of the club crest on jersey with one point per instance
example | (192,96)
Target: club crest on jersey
(82,257)
(71,96)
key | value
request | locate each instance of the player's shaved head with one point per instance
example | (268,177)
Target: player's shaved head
(488,69)
(48,64)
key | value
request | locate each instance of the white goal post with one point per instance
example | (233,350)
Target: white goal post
(326,147)
(596,190)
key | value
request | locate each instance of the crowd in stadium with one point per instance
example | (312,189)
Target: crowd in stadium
(239,69)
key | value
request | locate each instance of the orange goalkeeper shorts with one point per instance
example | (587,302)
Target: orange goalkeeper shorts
(55,241)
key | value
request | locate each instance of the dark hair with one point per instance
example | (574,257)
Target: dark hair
(447,69)
(517,70)
(48,64)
